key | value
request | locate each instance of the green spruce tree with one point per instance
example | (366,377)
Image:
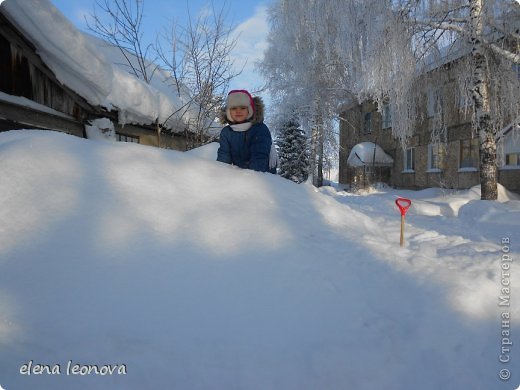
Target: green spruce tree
(293,149)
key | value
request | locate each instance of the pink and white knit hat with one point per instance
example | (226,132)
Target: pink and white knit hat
(240,98)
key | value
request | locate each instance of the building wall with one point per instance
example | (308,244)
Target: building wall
(149,137)
(510,178)
(23,73)
(458,129)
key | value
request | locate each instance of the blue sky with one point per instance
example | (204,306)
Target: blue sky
(249,17)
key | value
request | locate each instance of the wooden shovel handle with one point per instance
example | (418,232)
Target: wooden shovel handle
(401,241)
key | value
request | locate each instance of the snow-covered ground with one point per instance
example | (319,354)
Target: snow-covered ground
(180,272)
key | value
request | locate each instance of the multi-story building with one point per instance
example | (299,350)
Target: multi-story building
(443,151)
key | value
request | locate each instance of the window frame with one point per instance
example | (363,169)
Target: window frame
(367,123)
(440,149)
(473,147)
(510,147)
(433,102)
(386,116)
(508,165)
(409,161)
(516,69)
(127,138)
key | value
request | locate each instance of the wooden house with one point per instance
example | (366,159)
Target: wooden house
(32,96)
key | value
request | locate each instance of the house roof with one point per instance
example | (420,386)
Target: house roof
(461,48)
(368,154)
(92,68)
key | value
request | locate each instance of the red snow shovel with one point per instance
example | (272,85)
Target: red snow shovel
(403,204)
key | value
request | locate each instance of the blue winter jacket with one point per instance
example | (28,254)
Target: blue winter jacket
(246,149)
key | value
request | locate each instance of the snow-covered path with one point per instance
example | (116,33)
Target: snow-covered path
(197,275)
(448,234)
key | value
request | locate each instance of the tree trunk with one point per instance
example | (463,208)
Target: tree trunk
(320,155)
(488,166)
(158,128)
(313,153)
(487,144)
(317,151)
(317,140)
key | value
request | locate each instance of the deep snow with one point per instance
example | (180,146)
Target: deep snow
(198,275)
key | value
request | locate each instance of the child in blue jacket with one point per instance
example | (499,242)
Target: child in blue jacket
(246,140)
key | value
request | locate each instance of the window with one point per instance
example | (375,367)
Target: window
(127,138)
(409,160)
(367,123)
(436,153)
(516,69)
(469,153)
(433,102)
(513,159)
(464,101)
(386,116)
(510,147)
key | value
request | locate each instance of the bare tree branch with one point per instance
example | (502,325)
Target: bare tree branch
(513,57)
(446,26)
(198,56)
(122,27)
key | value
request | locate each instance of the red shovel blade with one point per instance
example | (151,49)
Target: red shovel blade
(403,205)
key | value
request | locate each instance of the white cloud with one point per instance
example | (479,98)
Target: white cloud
(206,11)
(81,15)
(251,43)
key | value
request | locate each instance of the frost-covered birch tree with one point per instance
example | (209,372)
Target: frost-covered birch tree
(302,68)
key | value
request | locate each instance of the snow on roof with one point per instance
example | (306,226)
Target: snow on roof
(92,68)
(368,153)
(23,101)
(460,48)
(445,55)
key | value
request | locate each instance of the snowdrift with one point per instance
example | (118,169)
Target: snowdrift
(125,266)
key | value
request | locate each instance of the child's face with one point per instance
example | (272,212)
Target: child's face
(239,114)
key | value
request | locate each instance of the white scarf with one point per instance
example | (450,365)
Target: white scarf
(242,126)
